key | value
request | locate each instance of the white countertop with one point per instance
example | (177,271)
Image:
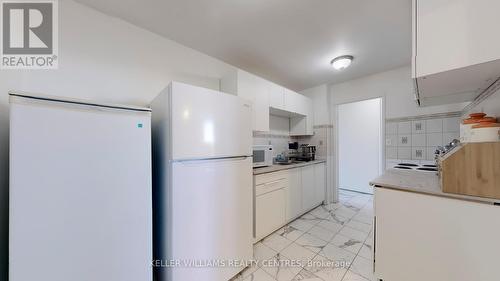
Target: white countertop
(278,167)
(421,182)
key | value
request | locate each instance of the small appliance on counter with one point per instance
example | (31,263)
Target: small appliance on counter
(283,159)
(305,152)
(262,156)
(293,146)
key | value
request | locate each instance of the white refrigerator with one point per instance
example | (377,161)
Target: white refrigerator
(202,182)
(80,191)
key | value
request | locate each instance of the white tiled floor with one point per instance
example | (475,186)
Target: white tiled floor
(337,238)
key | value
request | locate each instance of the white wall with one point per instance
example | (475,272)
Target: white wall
(103,59)
(395,85)
(397,88)
(490,106)
(319,95)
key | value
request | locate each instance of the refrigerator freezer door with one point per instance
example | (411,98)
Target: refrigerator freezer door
(209,124)
(80,193)
(211,216)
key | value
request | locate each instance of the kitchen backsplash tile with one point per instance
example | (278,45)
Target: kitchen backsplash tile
(451,125)
(279,142)
(391,140)
(418,127)
(404,140)
(434,139)
(404,152)
(320,139)
(280,139)
(430,154)
(391,129)
(434,126)
(418,153)
(448,137)
(416,140)
(391,152)
(404,128)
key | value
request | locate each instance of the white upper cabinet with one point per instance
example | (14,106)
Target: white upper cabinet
(261,102)
(265,95)
(302,125)
(310,117)
(253,88)
(456,49)
(295,102)
(276,96)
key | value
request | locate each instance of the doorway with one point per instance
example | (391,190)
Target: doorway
(359,144)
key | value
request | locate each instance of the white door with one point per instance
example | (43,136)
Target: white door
(359,144)
(211,216)
(209,124)
(80,193)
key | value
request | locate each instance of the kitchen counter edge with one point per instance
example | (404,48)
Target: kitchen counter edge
(423,183)
(278,167)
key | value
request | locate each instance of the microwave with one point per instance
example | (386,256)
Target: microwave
(262,155)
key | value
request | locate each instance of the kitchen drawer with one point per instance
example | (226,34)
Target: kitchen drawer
(271,186)
(270,177)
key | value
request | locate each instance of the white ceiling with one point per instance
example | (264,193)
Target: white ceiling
(290,42)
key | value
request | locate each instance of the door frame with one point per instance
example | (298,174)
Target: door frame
(336,135)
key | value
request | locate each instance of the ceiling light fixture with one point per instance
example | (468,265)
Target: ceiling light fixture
(341,62)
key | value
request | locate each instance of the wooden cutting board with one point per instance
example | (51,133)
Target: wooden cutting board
(473,169)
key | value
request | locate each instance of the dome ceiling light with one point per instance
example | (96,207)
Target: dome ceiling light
(342,62)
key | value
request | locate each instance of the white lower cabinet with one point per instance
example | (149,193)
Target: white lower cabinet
(425,237)
(281,197)
(269,212)
(319,182)
(308,193)
(294,194)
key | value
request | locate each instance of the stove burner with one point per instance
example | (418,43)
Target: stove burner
(428,169)
(407,165)
(403,168)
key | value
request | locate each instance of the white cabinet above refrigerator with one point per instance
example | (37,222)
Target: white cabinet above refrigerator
(270,99)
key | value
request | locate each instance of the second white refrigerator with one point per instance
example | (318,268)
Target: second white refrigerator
(202,183)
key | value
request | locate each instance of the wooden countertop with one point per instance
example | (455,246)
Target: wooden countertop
(421,182)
